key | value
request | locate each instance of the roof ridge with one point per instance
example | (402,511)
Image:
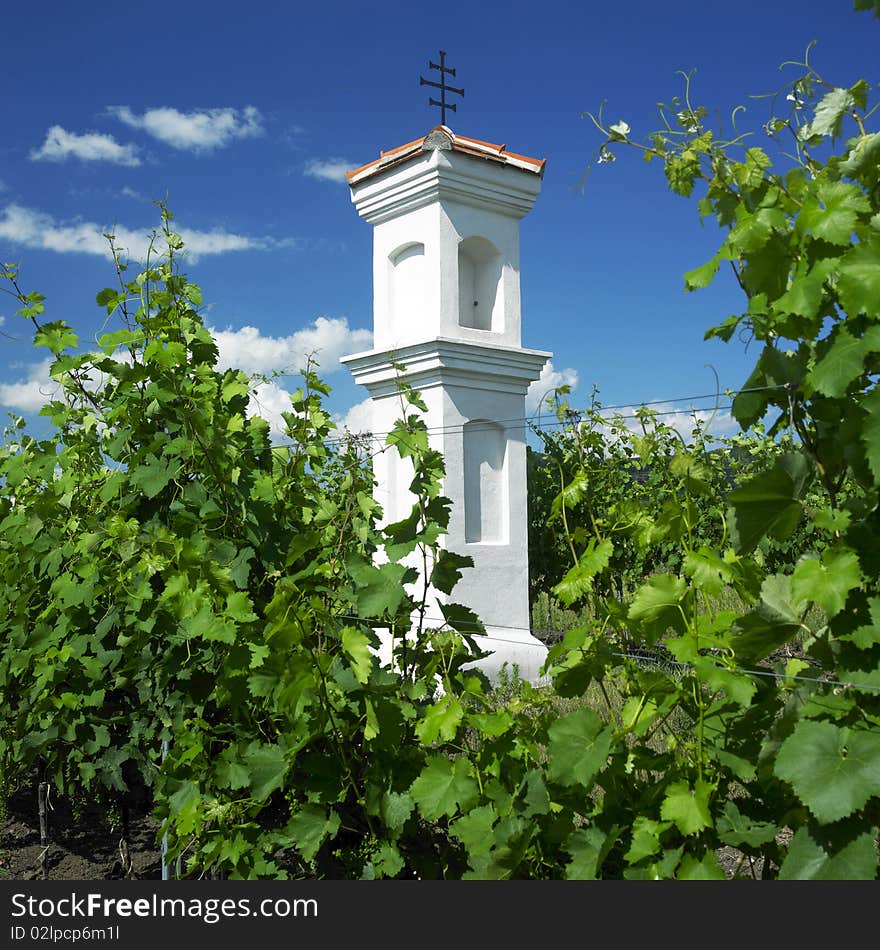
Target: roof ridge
(461,143)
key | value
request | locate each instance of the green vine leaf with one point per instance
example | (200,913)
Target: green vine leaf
(380,590)
(870,434)
(832,211)
(844,361)
(579,580)
(444,786)
(773,622)
(736,829)
(768,504)
(687,807)
(474,831)
(858,282)
(310,827)
(827,581)
(588,848)
(833,770)
(828,119)
(441,721)
(357,647)
(843,852)
(579,747)
(395,810)
(152,477)
(646,835)
(703,275)
(656,606)
(267,766)
(56,336)
(705,868)
(448,570)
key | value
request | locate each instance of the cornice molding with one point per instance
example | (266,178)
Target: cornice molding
(438,176)
(449,362)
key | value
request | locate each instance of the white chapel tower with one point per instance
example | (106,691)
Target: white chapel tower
(446,306)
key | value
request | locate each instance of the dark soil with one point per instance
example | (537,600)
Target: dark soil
(84,847)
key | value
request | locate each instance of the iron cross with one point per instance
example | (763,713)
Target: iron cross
(444,69)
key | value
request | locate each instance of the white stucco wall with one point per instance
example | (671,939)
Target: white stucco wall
(428,214)
(486,478)
(462,385)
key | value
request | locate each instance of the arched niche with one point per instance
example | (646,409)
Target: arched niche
(407,283)
(479,283)
(485,482)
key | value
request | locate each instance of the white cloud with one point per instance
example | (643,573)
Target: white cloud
(127,192)
(359,419)
(543,387)
(217,241)
(683,420)
(29,228)
(32,392)
(202,130)
(268,400)
(91,147)
(329,169)
(327,338)
(35,229)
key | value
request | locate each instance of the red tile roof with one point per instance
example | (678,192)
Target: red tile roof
(458,143)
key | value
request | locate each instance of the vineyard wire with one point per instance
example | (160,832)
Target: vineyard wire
(524,422)
(648,657)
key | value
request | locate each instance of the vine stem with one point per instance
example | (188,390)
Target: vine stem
(336,733)
(42,810)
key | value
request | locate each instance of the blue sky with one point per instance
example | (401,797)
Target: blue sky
(245,115)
